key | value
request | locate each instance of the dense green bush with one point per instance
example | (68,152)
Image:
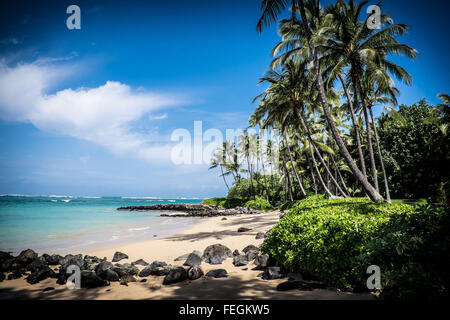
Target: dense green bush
(416,151)
(286,205)
(213,201)
(413,253)
(259,203)
(224,202)
(320,237)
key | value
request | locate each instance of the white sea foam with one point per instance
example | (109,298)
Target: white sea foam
(66,200)
(138,229)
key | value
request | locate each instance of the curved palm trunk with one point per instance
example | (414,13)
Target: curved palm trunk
(340,175)
(370,147)
(311,142)
(312,173)
(371,191)
(330,175)
(386,186)
(293,167)
(288,179)
(252,194)
(355,126)
(311,151)
(224,180)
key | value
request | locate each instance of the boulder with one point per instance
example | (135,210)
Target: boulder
(194,272)
(16,274)
(119,256)
(176,274)
(262,261)
(11,265)
(272,273)
(243,229)
(40,275)
(250,247)
(260,235)
(52,259)
(4,256)
(36,265)
(193,260)
(108,275)
(71,260)
(26,257)
(240,260)
(140,262)
(236,252)
(125,269)
(251,255)
(217,273)
(90,280)
(103,266)
(156,268)
(216,253)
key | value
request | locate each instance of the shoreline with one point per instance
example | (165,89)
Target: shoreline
(242,282)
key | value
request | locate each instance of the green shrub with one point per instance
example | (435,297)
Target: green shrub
(259,204)
(320,237)
(286,205)
(213,201)
(413,253)
(224,202)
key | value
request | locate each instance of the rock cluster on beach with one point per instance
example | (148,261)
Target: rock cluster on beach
(192,210)
(98,272)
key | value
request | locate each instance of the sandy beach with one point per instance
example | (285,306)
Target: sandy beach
(241,283)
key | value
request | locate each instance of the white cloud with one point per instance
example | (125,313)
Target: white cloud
(102,115)
(158,117)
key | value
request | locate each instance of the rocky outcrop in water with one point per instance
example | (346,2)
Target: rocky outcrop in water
(192,210)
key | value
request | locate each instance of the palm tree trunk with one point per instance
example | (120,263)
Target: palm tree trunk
(312,173)
(373,194)
(311,143)
(370,147)
(386,186)
(293,167)
(340,175)
(355,126)
(224,180)
(264,173)
(289,186)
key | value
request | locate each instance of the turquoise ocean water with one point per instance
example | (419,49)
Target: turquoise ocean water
(72,224)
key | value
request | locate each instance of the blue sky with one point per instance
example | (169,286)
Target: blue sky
(91,111)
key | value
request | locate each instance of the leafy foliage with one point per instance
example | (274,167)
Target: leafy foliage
(412,250)
(259,203)
(320,237)
(224,202)
(416,152)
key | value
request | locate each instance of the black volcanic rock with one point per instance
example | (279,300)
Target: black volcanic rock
(194,273)
(176,274)
(193,260)
(119,256)
(217,273)
(200,210)
(216,253)
(141,262)
(240,260)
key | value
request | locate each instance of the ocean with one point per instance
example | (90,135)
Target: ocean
(74,224)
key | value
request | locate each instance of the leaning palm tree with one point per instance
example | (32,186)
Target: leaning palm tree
(308,24)
(218,160)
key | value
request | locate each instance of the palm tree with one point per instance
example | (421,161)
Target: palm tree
(217,161)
